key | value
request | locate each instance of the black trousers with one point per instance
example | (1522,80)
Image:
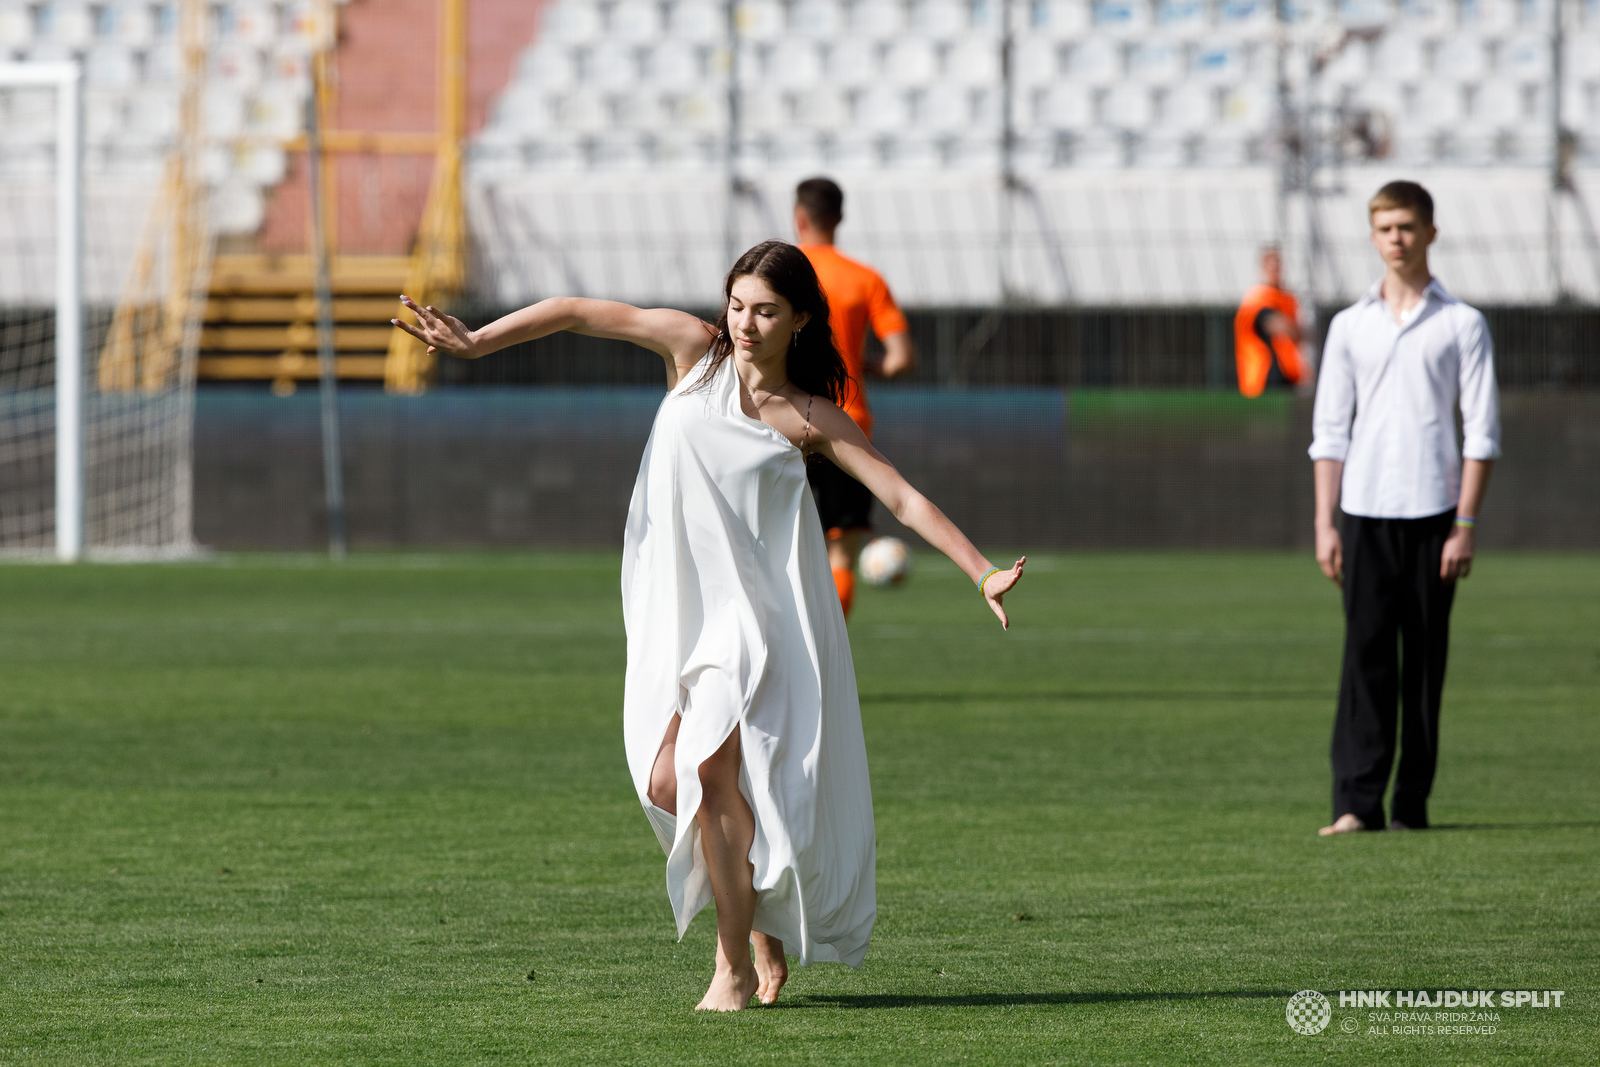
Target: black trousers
(1392,598)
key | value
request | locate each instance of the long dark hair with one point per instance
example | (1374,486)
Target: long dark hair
(814,362)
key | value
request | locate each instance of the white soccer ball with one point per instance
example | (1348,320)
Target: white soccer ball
(885,561)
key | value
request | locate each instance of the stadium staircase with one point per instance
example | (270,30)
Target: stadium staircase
(261,317)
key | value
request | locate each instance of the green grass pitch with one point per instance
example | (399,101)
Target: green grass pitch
(265,810)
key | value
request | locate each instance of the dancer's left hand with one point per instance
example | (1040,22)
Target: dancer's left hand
(999,585)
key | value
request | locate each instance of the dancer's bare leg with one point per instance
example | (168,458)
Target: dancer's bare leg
(663,773)
(727,829)
(771,968)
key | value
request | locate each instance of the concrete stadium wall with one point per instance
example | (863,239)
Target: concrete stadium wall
(1016,468)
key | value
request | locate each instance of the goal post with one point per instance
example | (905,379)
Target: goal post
(65,79)
(104,263)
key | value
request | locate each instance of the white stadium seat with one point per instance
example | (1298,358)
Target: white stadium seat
(132,24)
(764,109)
(1582,60)
(1365,14)
(699,21)
(911,63)
(1122,18)
(103,115)
(1249,107)
(1217,61)
(612,65)
(1127,106)
(16,24)
(1497,105)
(881,20)
(635,20)
(795,64)
(571,22)
(583,111)
(1350,66)
(703,110)
(547,64)
(1158,61)
(1183,19)
(1438,105)
(1064,106)
(1095,60)
(234,67)
(524,110)
(66,23)
(1490,18)
(822,108)
(1463,57)
(153,113)
(853,62)
(1036,61)
(110,65)
(261,164)
(1190,109)
(974,61)
(882,109)
(945,108)
(1062,20)
(1397,58)
(759,20)
(1247,19)
(940,19)
(1430,18)
(277,110)
(237,207)
(255,25)
(1524,58)
(222,113)
(816,19)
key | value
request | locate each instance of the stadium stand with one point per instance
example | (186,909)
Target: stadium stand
(629,109)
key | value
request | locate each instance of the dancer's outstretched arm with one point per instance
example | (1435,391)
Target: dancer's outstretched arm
(677,337)
(839,439)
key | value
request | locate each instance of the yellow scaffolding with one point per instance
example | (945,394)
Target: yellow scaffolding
(148,333)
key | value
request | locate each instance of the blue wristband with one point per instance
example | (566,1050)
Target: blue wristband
(985,578)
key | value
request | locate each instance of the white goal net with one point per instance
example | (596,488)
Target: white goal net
(97,333)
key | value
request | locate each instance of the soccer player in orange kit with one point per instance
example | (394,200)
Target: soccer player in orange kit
(857,297)
(1266,331)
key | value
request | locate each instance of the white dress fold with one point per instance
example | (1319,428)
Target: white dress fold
(733,623)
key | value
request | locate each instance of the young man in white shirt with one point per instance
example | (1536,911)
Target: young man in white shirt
(1395,366)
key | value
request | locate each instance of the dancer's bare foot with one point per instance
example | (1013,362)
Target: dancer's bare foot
(1344,824)
(771,967)
(731,989)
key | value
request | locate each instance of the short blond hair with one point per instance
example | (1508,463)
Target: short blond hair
(1408,195)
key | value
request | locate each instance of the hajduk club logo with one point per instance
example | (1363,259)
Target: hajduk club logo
(1308,1012)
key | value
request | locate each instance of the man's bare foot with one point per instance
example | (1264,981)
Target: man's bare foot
(730,990)
(1344,824)
(771,967)
(1398,826)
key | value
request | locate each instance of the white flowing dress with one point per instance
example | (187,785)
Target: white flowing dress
(733,623)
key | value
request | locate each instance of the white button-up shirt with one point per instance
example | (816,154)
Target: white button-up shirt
(1386,400)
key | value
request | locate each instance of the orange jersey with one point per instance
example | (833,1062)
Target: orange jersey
(857,298)
(1250,346)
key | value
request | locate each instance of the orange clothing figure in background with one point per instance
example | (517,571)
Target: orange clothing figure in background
(1266,331)
(857,297)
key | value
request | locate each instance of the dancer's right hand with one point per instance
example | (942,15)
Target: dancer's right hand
(998,585)
(440,332)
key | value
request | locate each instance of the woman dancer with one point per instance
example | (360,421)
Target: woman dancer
(740,714)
